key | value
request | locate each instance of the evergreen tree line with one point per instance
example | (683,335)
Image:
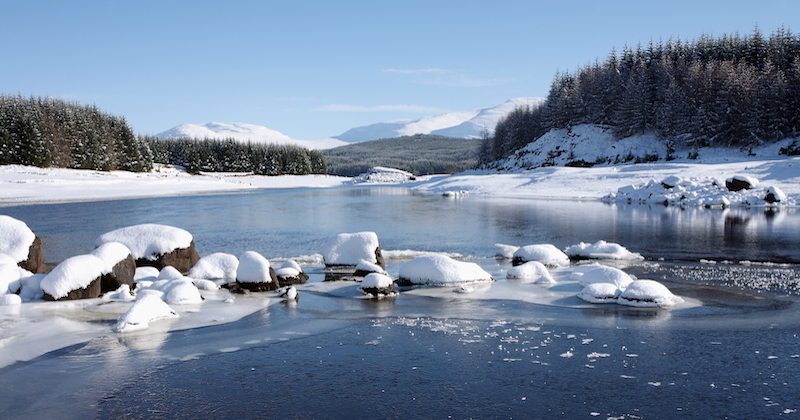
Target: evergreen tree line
(228,155)
(734,91)
(51,132)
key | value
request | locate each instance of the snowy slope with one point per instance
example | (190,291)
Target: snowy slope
(467,124)
(244,133)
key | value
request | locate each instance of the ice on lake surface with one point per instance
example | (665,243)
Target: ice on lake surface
(511,348)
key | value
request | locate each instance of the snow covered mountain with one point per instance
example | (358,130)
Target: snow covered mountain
(244,132)
(467,124)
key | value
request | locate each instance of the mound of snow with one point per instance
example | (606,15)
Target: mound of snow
(218,265)
(604,274)
(439,270)
(377,285)
(600,293)
(74,273)
(381,175)
(123,293)
(146,274)
(532,271)
(506,251)
(601,250)
(11,275)
(290,268)
(253,268)
(169,273)
(31,287)
(147,308)
(10,300)
(649,294)
(349,249)
(546,254)
(148,241)
(16,238)
(368,267)
(181,292)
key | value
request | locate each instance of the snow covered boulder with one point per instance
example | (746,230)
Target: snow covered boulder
(604,274)
(289,273)
(382,175)
(120,266)
(156,245)
(147,308)
(349,249)
(440,270)
(75,278)
(365,268)
(546,254)
(601,250)
(377,285)
(648,294)
(774,195)
(740,182)
(531,271)
(254,274)
(19,242)
(218,265)
(600,293)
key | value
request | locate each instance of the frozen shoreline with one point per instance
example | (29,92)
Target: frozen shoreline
(30,185)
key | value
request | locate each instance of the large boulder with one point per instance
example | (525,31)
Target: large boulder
(254,274)
(120,266)
(440,270)
(75,278)
(740,182)
(349,249)
(156,245)
(19,242)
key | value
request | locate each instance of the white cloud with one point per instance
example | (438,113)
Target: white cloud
(379,108)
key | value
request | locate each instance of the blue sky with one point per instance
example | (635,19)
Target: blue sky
(313,69)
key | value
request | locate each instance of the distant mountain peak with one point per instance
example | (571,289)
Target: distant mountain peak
(243,132)
(468,124)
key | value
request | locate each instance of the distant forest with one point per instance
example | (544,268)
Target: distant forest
(231,156)
(733,91)
(51,132)
(420,154)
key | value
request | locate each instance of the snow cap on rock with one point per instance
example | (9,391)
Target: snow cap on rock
(351,248)
(605,274)
(253,268)
(440,270)
(148,241)
(546,254)
(648,293)
(218,265)
(111,253)
(74,273)
(16,238)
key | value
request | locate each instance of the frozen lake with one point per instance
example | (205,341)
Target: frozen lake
(509,351)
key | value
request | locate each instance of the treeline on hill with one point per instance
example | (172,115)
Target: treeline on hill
(231,156)
(420,154)
(51,132)
(733,91)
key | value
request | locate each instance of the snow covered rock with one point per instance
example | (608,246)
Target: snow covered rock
(601,250)
(289,293)
(546,254)
(31,288)
(531,271)
(219,265)
(377,285)
(19,242)
(182,292)
(740,182)
(364,268)
(506,251)
(254,274)
(648,294)
(381,175)
(155,245)
(289,273)
(119,269)
(75,278)
(600,293)
(169,273)
(349,249)
(604,274)
(147,308)
(11,275)
(440,270)
(775,195)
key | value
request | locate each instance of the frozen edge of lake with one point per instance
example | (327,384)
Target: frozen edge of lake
(31,185)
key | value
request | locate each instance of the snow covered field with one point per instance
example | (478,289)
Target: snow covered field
(21,184)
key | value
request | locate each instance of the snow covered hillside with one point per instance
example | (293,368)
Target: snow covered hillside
(589,145)
(244,132)
(468,124)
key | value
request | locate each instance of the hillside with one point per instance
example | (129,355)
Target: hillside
(420,154)
(465,124)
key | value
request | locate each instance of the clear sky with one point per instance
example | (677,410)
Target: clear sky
(314,69)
